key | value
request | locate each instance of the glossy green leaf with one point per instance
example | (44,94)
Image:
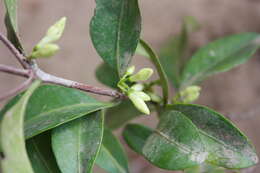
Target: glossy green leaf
(11,23)
(107,76)
(174,145)
(115,29)
(41,155)
(12,136)
(52,105)
(135,136)
(226,145)
(173,54)
(160,70)
(76,144)
(112,157)
(219,56)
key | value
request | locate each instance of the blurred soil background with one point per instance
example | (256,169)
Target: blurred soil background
(235,93)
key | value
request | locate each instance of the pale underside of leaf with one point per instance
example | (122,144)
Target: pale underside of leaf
(12,137)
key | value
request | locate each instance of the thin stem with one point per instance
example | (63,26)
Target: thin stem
(163,79)
(37,73)
(14,51)
(48,78)
(17,90)
(15,71)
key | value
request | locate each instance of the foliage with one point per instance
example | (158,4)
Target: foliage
(51,128)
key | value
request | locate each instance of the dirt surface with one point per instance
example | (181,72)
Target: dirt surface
(234,93)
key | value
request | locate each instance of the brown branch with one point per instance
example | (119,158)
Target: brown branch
(14,51)
(17,90)
(31,67)
(48,78)
(14,71)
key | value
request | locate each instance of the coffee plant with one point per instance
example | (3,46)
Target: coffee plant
(50,125)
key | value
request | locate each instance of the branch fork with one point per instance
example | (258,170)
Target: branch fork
(31,71)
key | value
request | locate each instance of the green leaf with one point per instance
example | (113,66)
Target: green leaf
(107,76)
(117,116)
(173,53)
(76,144)
(41,155)
(219,56)
(11,23)
(174,145)
(115,31)
(12,136)
(135,136)
(195,169)
(205,168)
(213,169)
(112,157)
(51,106)
(226,145)
(161,73)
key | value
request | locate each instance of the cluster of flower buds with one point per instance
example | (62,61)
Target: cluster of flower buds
(188,95)
(136,92)
(46,47)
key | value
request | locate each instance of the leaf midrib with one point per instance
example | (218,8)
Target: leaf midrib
(78,147)
(182,147)
(218,141)
(67,107)
(79,115)
(41,157)
(198,75)
(114,160)
(118,38)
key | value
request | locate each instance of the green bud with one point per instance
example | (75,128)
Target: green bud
(154,97)
(45,51)
(54,32)
(139,103)
(142,75)
(130,70)
(137,87)
(142,95)
(190,94)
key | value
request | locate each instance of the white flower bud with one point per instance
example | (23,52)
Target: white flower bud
(137,87)
(190,94)
(142,75)
(54,32)
(45,51)
(139,103)
(130,70)
(142,95)
(154,97)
